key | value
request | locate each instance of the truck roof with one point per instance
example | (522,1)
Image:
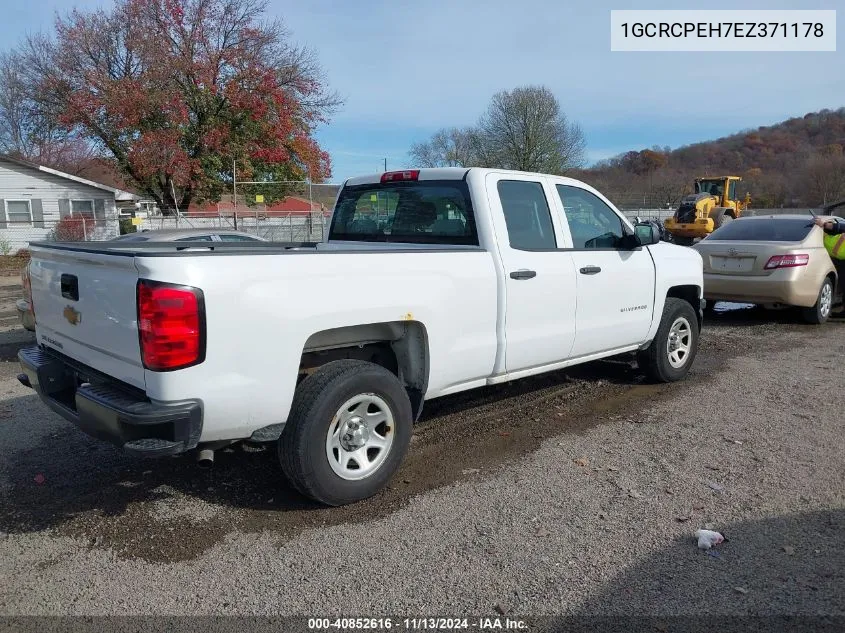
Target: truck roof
(447,173)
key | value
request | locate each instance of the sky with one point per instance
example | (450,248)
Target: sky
(405,69)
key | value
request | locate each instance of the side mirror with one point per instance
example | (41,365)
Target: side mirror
(646,233)
(629,242)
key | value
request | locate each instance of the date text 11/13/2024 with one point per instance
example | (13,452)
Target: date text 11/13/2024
(416,624)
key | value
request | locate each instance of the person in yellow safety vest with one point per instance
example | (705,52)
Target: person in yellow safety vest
(834,237)
(834,243)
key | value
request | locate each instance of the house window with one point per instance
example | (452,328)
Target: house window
(18,212)
(82,208)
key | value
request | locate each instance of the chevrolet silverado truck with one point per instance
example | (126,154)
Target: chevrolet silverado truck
(431,282)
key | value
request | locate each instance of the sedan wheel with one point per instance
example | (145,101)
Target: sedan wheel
(820,312)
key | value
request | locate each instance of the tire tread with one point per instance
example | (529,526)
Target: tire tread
(292,447)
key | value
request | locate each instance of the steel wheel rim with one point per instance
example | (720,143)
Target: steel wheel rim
(360,437)
(826,300)
(679,342)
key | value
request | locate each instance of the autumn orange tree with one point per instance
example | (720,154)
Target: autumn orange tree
(177,91)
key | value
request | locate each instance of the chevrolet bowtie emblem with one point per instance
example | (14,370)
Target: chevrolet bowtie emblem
(74,317)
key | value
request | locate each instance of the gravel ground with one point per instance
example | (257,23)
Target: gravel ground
(574,493)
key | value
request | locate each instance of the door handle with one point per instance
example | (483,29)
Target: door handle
(590,270)
(523,274)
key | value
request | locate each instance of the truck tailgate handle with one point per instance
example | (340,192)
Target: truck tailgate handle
(523,274)
(70,287)
(590,270)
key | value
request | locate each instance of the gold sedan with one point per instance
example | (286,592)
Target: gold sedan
(774,260)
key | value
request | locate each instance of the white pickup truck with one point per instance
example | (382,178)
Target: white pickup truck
(431,282)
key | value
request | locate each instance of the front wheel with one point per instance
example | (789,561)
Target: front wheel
(723,219)
(820,312)
(347,433)
(671,353)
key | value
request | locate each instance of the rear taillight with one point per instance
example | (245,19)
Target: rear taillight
(394,176)
(787,261)
(171,325)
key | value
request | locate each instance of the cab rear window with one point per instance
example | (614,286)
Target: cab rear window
(768,230)
(418,212)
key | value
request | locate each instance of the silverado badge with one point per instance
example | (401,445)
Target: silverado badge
(74,317)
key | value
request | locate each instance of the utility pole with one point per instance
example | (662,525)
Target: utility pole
(175,203)
(385,164)
(235,194)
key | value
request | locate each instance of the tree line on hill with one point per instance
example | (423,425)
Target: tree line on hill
(797,163)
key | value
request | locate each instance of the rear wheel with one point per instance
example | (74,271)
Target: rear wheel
(820,312)
(673,349)
(347,433)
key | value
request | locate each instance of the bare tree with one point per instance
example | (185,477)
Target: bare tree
(825,178)
(525,129)
(26,132)
(449,147)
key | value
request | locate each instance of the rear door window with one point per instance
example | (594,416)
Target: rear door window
(527,215)
(414,212)
(764,230)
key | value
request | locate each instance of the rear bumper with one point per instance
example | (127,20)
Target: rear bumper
(759,289)
(108,411)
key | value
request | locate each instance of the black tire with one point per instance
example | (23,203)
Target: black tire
(818,314)
(654,360)
(683,241)
(302,446)
(722,219)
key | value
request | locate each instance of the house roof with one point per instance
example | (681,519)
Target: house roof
(289,205)
(119,194)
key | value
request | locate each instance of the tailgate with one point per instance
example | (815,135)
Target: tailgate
(85,308)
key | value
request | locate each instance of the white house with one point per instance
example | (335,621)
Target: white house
(33,199)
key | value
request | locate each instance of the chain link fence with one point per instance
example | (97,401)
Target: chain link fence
(279,212)
(291,227)
(16,236)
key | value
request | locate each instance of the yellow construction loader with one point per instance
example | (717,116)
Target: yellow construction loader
(713,204)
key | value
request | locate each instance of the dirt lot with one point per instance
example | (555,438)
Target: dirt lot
(573,493)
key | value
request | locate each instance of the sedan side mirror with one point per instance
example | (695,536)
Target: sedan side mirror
(646,233)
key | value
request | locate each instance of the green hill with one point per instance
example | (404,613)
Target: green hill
(798,162)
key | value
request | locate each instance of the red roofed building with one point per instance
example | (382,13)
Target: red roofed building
(292,205)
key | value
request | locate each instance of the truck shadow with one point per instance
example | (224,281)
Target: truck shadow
(12,340)
(55,477)
(728,315)
(790,565)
